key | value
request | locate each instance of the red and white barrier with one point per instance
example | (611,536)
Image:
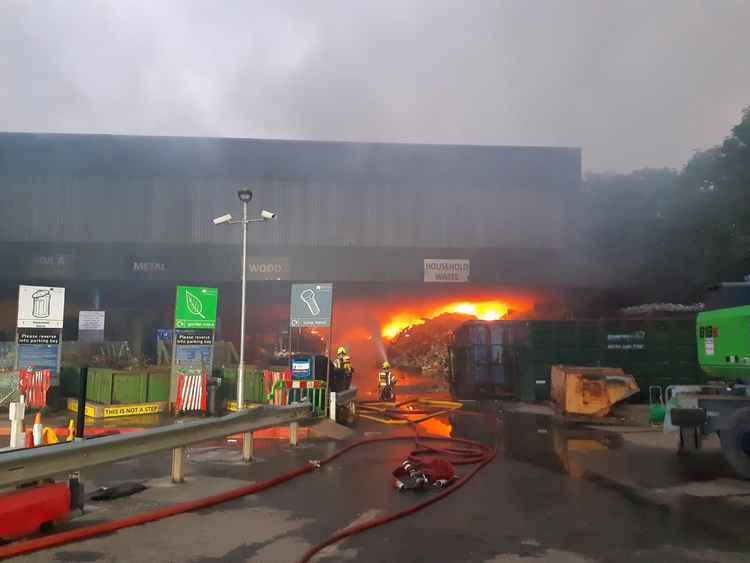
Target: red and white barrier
(191,393)
(34,386)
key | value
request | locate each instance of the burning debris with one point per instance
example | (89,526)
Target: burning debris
(424,347)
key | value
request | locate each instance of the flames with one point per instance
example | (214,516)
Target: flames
(483,310)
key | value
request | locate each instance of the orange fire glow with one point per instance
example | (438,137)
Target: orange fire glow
(483,310)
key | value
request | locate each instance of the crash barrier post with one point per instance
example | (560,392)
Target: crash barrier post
(290,392)
(34,384)
(247,447)
(34,464)
(342,401)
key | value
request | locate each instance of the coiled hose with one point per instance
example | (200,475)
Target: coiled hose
(460,452)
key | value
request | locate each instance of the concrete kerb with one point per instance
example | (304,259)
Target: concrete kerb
(720,504)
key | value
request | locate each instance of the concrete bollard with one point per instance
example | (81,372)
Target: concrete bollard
(15,414)
(293,427)
(332,411)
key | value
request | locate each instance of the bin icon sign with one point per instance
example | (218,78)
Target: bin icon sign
(40,306)
(41,300)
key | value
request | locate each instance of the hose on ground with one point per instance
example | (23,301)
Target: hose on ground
(462,452)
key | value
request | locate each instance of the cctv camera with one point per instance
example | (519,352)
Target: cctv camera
(245,195)
(223,219)
(267,214)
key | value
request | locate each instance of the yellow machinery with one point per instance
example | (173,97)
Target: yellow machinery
(590,391)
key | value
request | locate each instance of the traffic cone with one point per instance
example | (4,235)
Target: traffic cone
(71,431)
(29,439)
(49,436)
(37,429)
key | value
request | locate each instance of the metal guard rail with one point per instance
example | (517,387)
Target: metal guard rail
(22,466)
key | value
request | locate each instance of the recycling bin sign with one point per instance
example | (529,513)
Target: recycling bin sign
(311,305)
(40,306)
(195,307)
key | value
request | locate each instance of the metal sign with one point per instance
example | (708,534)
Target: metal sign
(52,266)
(40,306)
(195,307)
(39,349)
(261,268)
(311,305)
(91,320)
(447,271)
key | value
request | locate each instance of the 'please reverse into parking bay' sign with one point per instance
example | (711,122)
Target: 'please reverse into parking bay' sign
(447,271)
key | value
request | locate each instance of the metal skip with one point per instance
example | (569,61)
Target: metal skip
(590,391)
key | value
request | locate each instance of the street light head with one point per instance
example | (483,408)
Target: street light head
(267,215)
(223,219)
(245,195)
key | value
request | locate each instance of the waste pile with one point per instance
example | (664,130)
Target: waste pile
(424,347)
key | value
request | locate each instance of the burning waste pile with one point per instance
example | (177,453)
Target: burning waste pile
(420,343)
(424,347)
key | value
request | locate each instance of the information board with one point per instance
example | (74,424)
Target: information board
(40,306)
(311,305)
(195,307)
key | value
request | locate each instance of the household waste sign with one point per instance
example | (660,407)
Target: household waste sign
(195,307)
(446,270)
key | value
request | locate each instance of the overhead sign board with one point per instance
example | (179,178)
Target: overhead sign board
(91,320)
(195,307)
(263,268)
(52,266)
(446,270)
(311,305)
(40,306)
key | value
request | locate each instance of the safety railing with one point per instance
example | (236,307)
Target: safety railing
(33,464)
(291,392)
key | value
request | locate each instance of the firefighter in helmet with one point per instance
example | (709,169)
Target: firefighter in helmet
(386,383)
(343,361)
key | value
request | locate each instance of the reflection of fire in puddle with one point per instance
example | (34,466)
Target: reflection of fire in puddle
(437,426)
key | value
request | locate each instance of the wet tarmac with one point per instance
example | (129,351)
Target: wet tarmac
(539,500)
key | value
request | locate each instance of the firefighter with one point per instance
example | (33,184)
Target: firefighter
(386,383)
(343,361)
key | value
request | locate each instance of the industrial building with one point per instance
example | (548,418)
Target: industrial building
(120,220)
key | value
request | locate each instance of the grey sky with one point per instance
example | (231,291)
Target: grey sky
(635,83)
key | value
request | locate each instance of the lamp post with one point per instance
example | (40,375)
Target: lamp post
(245,196)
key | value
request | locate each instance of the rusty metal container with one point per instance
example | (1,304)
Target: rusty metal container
(590,391)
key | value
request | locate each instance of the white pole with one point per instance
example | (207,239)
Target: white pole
(241,370)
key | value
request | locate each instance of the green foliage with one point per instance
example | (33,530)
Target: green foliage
(671,233)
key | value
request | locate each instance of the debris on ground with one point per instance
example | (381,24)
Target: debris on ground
(118,491)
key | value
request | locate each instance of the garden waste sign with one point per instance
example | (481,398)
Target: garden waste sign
(195,307)
(193,335)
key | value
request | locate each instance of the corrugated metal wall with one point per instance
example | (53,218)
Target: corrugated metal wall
(83,188)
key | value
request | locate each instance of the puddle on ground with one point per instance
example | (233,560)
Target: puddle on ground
(546,441)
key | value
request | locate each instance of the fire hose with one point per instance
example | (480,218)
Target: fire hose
(461,452)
